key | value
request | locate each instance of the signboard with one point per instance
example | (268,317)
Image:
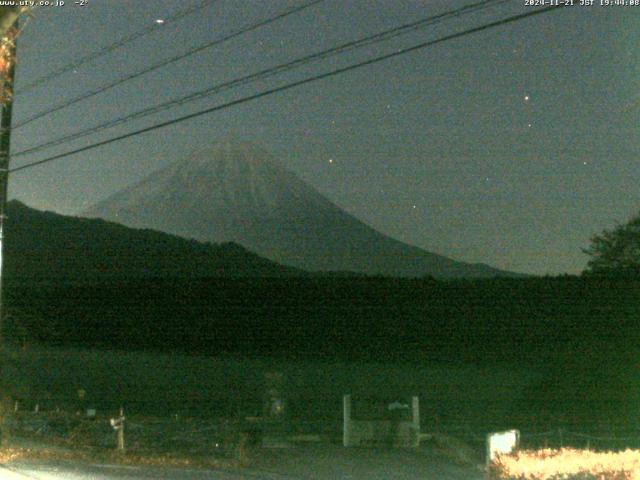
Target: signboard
(501,443)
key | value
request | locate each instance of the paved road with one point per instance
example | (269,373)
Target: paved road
(322,462)
(23,471)
(327,462)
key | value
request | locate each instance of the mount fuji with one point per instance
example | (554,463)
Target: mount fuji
(236,191)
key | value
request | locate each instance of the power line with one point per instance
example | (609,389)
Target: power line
(288,86)
(370,40)
(166,62)
(114,46)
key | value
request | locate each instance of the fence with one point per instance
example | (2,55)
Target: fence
(154,436)
(214,426)
(595,438)
(214,437)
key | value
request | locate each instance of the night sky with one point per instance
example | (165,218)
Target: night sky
(509,147)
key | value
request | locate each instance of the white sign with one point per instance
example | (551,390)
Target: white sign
(501,443)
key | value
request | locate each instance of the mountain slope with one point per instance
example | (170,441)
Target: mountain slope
(237,192)
(48,246)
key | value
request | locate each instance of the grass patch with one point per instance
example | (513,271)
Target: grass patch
(54,453)
(156,384)
(567,463)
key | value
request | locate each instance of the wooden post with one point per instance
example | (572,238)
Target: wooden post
(415,419)
(118,426)
(346,426)
(121,431)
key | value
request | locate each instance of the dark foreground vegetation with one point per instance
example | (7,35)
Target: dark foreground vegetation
(480,321)
(97,285)
(581,332)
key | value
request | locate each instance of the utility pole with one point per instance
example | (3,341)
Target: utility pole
(6,95)
(9,32)
(8,35)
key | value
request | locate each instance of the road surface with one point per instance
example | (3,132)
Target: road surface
(41,471)
(318,462)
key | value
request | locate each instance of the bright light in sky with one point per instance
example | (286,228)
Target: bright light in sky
(160,21)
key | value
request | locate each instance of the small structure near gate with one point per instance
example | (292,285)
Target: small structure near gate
(393,424)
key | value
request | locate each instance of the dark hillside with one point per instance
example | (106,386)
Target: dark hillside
(44,246)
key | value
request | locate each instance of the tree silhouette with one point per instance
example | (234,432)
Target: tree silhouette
(616,252)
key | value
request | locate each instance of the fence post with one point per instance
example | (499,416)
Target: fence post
(121,431)
(346,420)
(415,419)
(118,426)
